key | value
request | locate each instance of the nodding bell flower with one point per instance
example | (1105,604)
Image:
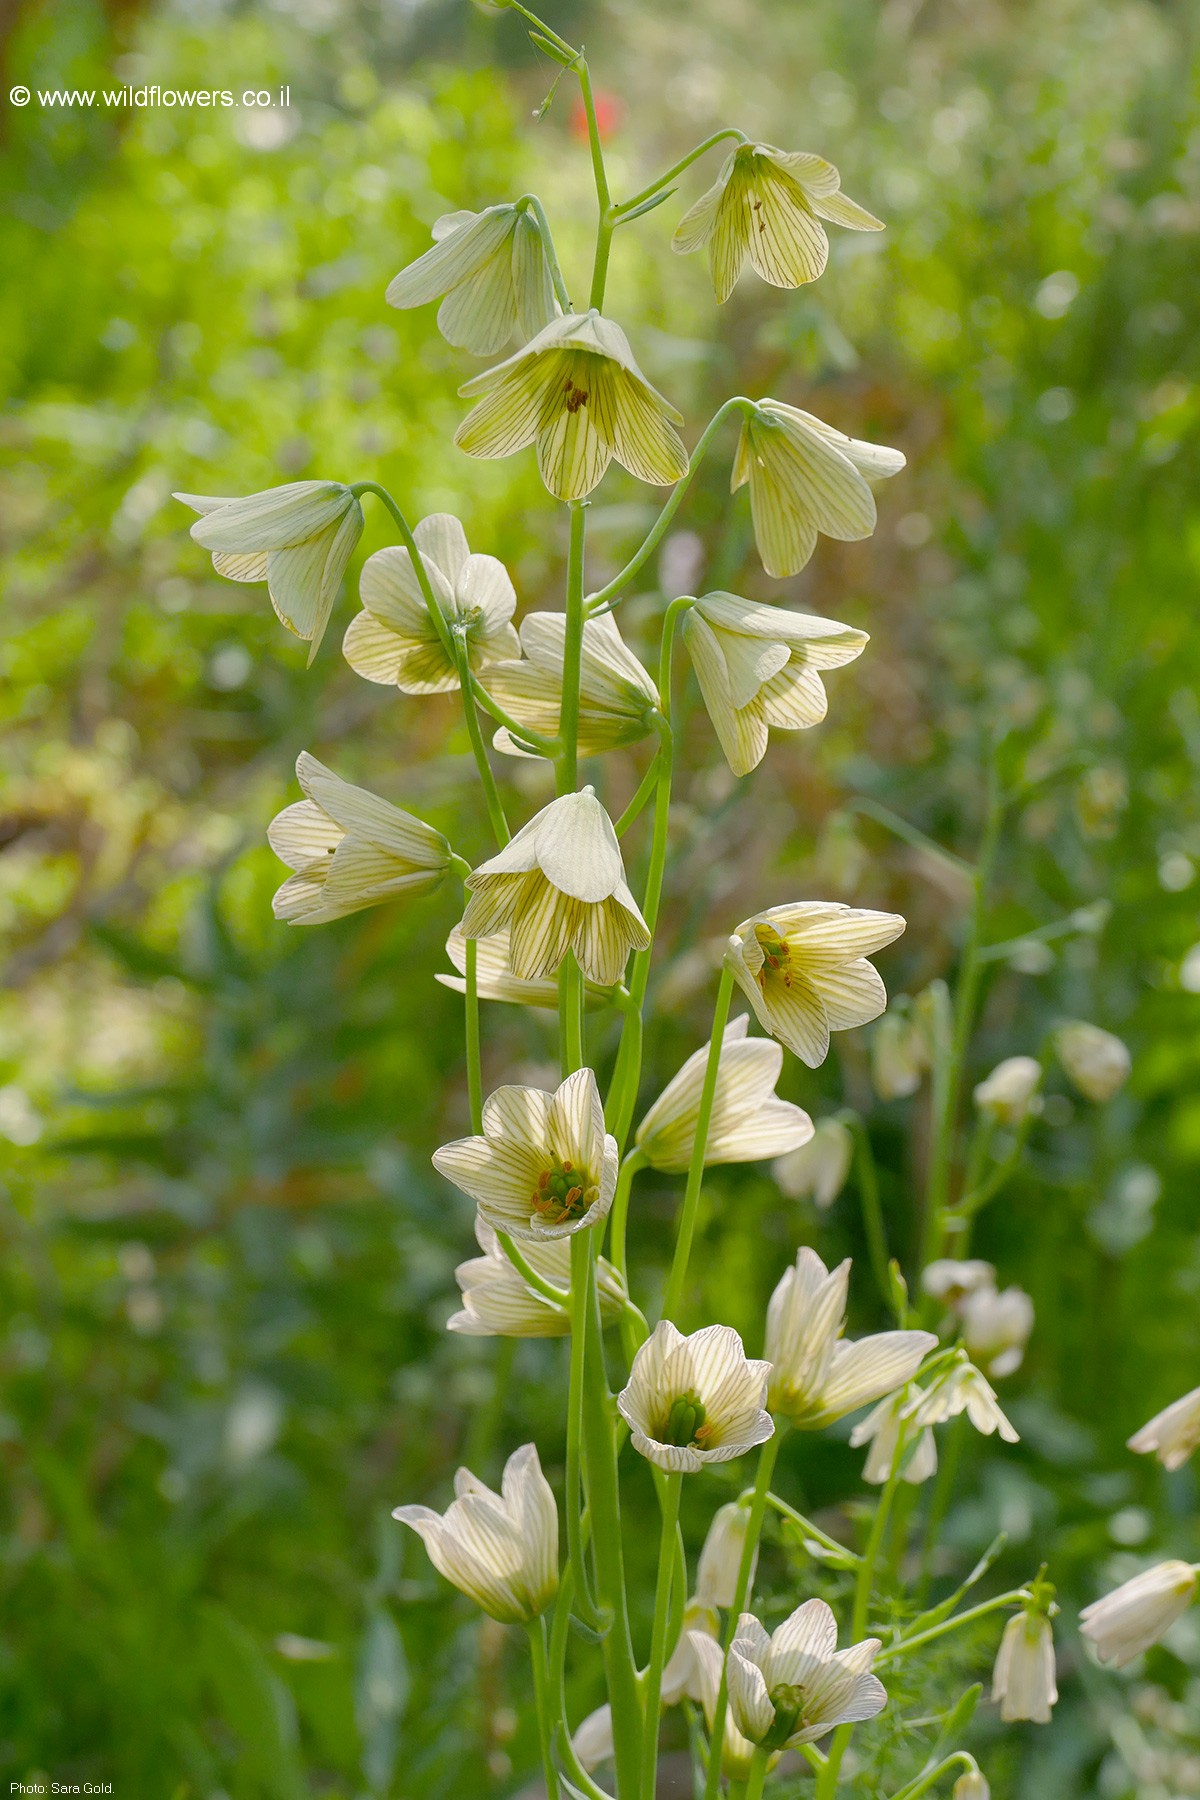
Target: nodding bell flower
(721,1556)
(951,1282)
(962,1389)
(768,204)
(694,1400)
(882,1428)
(1010,1095)
(498,1302)
(748,1122)
(544,1167)
(759,666)
(818,1169)
(617,699)
(803,969)
(737,1751)
(559,885)
(491,266)
(817,1376)
(971,1786)
(297,538)
(899,1055)
(1172,1434)
(577,393)
(593,1741)
(996,1327)
(349,849)
(1097,1063)
(793,1686)
(493,977)
(1140,1612)
(395,642)
(1023,1680)
(805,478)
(682,1678)
(501,1549)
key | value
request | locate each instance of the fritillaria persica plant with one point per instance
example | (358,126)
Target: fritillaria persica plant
(550,920)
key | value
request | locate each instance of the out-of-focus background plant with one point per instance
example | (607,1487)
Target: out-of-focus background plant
(226,1262)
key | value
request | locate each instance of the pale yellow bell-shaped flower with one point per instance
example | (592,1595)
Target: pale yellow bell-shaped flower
(817,1170)
(559,885)
(737,1751)
(818,1376)
(803,969)
(491,267)
(544,1166)
(349,849)
(996,1327)
(1009,1095)
(962,1389)
(694,1400)
(682,1678)
(577,393)
(721,1556)
(881,1429)
(1139,1613)
(1023,1680)
(494,979)
(759,666)
(1097,1063)
(768,204)
(297,538)
(395,642)
(1172,1434)
(617,699)
(951,1282)
(748,1122)
(498,1302)
(971,1786)
(899,1055)
(805,478)
(501,1549)
(794,1685)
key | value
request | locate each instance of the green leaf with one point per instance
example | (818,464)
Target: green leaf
(255,1705)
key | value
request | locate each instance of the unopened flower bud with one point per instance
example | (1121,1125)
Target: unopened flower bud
(1096,1062)
(1009,1094)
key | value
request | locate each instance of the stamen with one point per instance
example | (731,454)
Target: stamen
(561,1192)
(576,396)
(777,955)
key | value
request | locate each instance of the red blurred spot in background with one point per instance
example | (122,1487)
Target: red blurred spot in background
(610,110)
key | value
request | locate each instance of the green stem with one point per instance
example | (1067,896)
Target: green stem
(758,1507)
(685,162)
(547,31)
(568,718)
(757,1775)
(843,1555)
(432,604)
(559,1296)
(491,792)
(872,1209)
(669,1502)
(543,1700)
(474,1060)
(535,739)
(607,221)
(959,1759)
(646,786)
(582,1276)
(939,1506)
(691,1198)
(620,1212)
(903,1645)
(570,1013)
(543,224)
(607,595)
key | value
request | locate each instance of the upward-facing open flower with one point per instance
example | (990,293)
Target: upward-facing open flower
(1172,1434)
(349,848)
(805,478)
(747,1122)
(803,969)
(395,642)
(818,1169)
(1097,1063)
(759,666)
(491,266)
(578,393)
(795,1685)
(996,1327)
(1023,1680)
(962,1389)
(817,1376)
(545,1166)
(498,1302)
(617,699)
(882,1429)
(501,1549)
(768,204)
(297,538)
(694,1400)
(1140,1612)
(559,885)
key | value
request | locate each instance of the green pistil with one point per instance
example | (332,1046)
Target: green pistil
(560,1193)
(789,1716)
(685,1421)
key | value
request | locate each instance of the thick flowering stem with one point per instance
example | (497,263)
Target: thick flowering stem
(741,1597)
(757,1775)
(607,220)
(630,1335)
(691,1198)
(582,1276)
(606,597)
(685,162)
(568,718)
(668,1500)
(544,1703)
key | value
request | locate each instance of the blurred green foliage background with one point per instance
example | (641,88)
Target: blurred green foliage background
(226,1261)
